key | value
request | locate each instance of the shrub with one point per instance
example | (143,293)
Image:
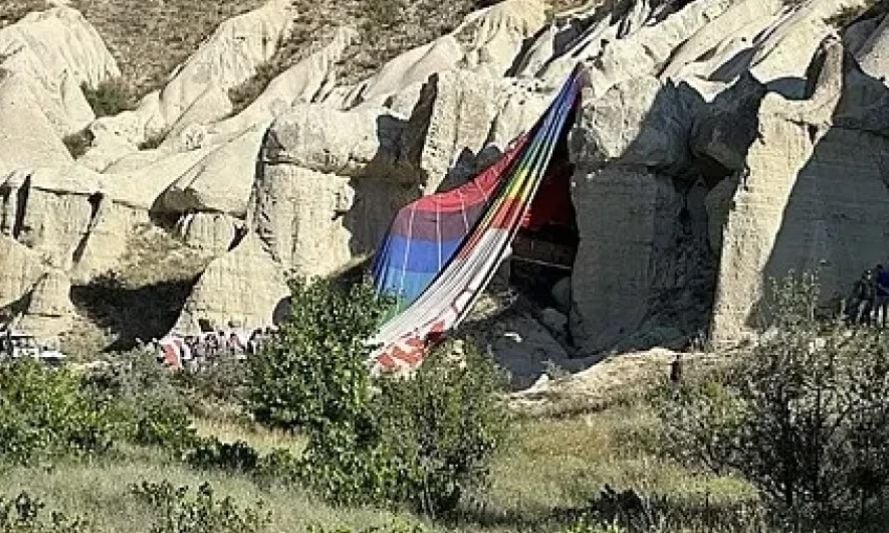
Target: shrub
(153,140)
(804,416)
(279,466)
(45,413)
(24,514)
(149,408)
(204,512)
(429,441)
(424,441)
(314,372)
(211,453)
(443,426)
(109,98)
(78,143)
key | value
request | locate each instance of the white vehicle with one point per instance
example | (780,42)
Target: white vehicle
(17,345)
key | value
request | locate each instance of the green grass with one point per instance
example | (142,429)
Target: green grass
(554,466)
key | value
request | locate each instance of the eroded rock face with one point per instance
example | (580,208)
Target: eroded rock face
(803,202)
(245,287)
(53,53)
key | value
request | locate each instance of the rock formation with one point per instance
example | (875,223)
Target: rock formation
(720,143)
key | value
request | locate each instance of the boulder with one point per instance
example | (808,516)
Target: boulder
(220,181)
(638,122)
(359,143)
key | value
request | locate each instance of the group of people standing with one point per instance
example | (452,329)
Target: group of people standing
(870,298)
(195,351)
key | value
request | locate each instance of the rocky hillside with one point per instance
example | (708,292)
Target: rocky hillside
(720,142)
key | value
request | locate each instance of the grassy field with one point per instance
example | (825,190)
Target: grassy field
(554,468)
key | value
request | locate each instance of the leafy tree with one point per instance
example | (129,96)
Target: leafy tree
(315,371)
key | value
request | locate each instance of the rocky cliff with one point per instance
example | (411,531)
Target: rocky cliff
(721,142)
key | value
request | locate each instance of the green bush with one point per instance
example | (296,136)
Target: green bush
(424,441)
(211,453)
(109,98)
(443,426)
(279,467)
(804,416)
(314,372)
(24,514)
(203,512)
(149,408)
(44,413)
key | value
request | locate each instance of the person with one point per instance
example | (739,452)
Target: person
(882,293)
(676,370)
(862,301)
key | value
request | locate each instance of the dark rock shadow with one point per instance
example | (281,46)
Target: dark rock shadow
(127,312)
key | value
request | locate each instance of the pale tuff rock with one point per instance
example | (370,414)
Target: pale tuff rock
(22,268)
(874,52)
(27,137)
(361,142)
(307,81)
(738,25)
(725,129)
(227,59)
(624,239)
(803,203)
(613,58)
(859,33)
(449,127)
(640,122)
(220,181)
(49,308)
(54,52)
(487,42)
(244,286)
(719,204)
(780,59)
(212,232)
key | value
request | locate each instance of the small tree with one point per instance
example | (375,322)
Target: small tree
(804,416)
(315,372)
(423,440)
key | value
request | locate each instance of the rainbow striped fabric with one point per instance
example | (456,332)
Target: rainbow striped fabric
(442,250)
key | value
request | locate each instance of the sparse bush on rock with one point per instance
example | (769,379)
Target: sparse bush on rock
(78,143)
(109,98)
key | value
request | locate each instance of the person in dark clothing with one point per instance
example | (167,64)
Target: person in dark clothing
(882,294)
(862,301)
(676,370)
